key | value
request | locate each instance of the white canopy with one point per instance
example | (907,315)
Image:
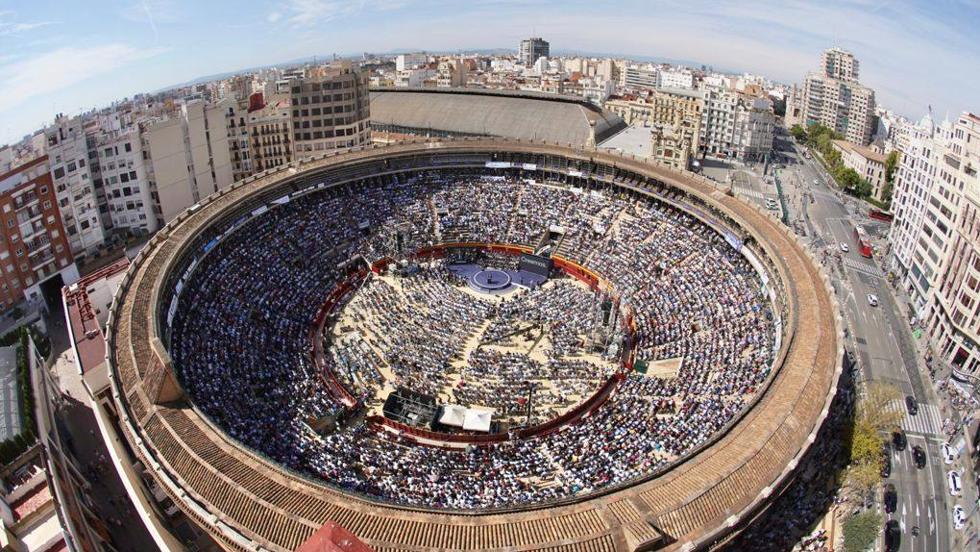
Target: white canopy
(477,420)
(452,415)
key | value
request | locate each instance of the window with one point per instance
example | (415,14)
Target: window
(84,225)
(128,147)
(132,175)
(59,172)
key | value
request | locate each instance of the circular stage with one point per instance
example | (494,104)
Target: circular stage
(491,279)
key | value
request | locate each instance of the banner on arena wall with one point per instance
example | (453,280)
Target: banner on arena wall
(210,245)
(575,173)
(259,211)
(499,164)
(529,166)
(172,311)
(733,240)
(282,200)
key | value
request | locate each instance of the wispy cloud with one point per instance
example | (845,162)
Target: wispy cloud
(10,26)
(152,12)
(59,69)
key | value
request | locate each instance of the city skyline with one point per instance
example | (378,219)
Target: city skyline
(59,58)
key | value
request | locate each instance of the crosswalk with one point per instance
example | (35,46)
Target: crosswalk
(863,267)
(927,422)
(740,191)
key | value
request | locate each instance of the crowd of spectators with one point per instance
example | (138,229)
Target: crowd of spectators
(240,338)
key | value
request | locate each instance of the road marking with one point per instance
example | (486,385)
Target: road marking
(748,192)
(863,267)
(927,422)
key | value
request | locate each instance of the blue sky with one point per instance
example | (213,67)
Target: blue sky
(69,56)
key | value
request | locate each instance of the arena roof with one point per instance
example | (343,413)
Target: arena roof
(249,503)
(520,115)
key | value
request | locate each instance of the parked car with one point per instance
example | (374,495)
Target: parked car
(890,498)
(893,536)
(886,461)
(911,405)
(872,299)
(899,440)
(844,248)
(955,482)
(919,456)
(959,517)
(948,456)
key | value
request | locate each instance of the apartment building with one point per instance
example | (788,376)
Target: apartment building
(405,62)
(237,131)
(34,246)
(755,127)
(189,155)
(834,98)
(122,179)
(925,207)
(952,315)
(269,131)
(867,162)
(641,77)
(676,112)
(68,155)
(330,110)
(451,73)
(675,78)
(717,131)
(533,49)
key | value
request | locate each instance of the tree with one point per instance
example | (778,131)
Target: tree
(861,531)
(866,443)
(891,164)
(798,132)
(880,406)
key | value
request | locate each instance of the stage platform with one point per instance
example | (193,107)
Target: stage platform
(496,281)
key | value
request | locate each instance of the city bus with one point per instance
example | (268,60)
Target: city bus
(880,214)
(863,241)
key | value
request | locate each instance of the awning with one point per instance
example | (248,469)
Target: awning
(477,420)
(452,415)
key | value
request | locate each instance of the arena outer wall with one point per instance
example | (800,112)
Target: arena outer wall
(249,503)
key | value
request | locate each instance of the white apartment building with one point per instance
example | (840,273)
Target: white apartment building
(189,156)
(124,182)
(414,78)
(925,206)
(952,315)
(68,154)
(405,62)
(835,99)
(675,78)
(718,121)
(639,77)
(867,162)
(451,73)
(597,90)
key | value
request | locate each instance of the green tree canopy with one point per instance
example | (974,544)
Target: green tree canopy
(861,530)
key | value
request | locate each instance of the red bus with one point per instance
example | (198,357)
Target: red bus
(879,214)
(863,241)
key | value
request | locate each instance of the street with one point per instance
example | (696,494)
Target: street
(882,342)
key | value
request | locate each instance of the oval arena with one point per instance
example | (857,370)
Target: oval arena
(471,345)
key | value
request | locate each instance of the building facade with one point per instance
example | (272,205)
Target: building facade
(330,110)
(532,49)
(953,314)
(34,246)
(867,162)
(835,99)
(68,155)
(122,179)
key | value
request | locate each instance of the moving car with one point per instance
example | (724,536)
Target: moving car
(919,456)
(893,536)
(844,248)
(899,440)
(872,299)
(955,482)
(948,456)
(890,498)
(959,517)
(911,405)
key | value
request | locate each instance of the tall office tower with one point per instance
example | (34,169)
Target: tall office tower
(839,64)
(835,99)
(532,49)
(33,245)
(68,156)
(330,109)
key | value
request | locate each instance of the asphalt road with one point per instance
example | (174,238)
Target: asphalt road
(882,342)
